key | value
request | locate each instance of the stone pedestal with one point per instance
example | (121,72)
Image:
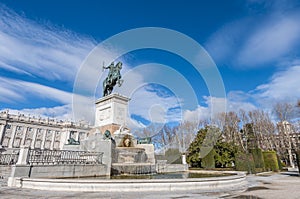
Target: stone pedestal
(96,143)
(111,112)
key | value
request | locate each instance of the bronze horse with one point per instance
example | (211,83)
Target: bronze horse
(114,77)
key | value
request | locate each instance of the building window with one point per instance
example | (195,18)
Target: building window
(8,126)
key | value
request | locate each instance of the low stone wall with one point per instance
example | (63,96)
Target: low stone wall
(5,172)
(163,167)
(58,171)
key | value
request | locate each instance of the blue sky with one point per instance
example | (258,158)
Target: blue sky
(254,44)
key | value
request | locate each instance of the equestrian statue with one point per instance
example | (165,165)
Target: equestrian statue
(113,78)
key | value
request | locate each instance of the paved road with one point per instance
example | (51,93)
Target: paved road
(273,186)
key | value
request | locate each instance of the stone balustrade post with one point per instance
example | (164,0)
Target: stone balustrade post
(183,159)
(2,128)
(23,156)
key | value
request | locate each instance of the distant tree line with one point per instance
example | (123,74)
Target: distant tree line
(241,132)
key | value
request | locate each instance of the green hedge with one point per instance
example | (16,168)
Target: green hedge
(173,156)
(258,159)
(271,162)
(298,159)
(208,162)
(280,165)
(244,162)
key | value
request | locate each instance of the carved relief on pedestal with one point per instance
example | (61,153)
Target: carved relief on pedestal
(120,115)
(110,110)
(104,114)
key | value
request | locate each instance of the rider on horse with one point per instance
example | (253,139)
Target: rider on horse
(113,77)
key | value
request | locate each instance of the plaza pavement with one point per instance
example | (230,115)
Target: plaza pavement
(284,185)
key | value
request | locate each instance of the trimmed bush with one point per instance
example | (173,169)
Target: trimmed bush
(258,159)
(280,165)
(244,162)
(298,159)
(208,162)
(173,156)
(271,162)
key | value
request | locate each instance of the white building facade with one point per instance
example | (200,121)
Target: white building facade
(24,131)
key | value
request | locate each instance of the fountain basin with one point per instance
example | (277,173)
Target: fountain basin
(233,182)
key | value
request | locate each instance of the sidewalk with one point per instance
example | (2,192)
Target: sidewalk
(284,185)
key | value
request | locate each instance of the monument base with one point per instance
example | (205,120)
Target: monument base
(111,112)
(111,127)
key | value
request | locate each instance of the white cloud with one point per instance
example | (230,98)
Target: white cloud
(274,39)
(154,108)
(224,43)
(235,101)
(45,51)
(283,86)
(256,40)
(57,112)
(14,90)
(201,113)
(53,54)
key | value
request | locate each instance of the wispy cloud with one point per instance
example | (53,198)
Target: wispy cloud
(40,50)
(13,90)
(213,105)
(275,39)
(51,54)
(155,108)
(34,56)
(283,86)
(57,112)
(258,39)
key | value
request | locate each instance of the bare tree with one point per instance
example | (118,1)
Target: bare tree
(164,138)
(263,128)
(246,130)
(231,128)
(185,134)
(283,111)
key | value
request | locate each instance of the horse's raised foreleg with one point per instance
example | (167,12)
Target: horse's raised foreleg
(120,82)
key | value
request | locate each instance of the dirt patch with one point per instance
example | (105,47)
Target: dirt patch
(247,197)
(256,188)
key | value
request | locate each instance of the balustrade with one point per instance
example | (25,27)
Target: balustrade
(8,159)
(38,156)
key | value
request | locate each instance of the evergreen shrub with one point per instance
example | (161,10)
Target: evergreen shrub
(208,162)
(244,162)
(271,162)
(258,159)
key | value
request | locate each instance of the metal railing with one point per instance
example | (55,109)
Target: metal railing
(8,159)
(38,156)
